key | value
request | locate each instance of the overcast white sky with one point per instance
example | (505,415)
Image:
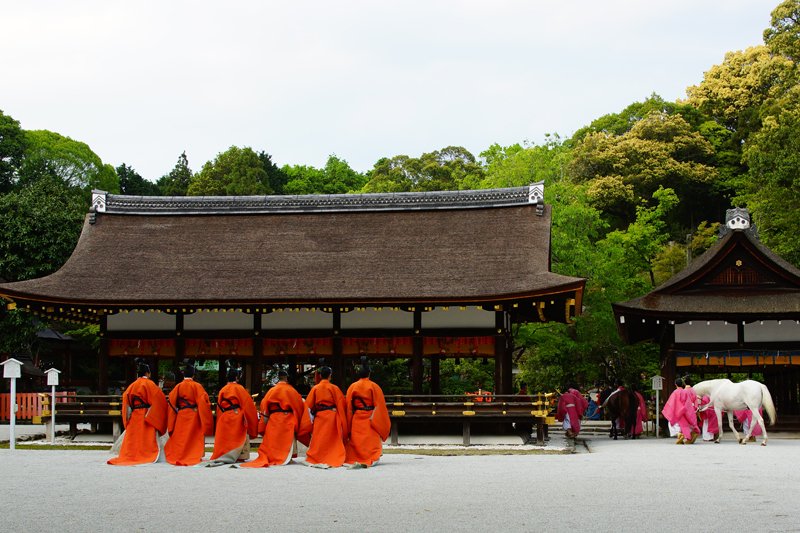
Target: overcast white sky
(141,81)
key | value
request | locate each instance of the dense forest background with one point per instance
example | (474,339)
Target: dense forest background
(636,194)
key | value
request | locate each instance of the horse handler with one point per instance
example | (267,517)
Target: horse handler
(571,407)
(681,412)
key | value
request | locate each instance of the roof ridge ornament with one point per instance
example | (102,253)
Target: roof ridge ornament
(536,196)
(99,203)
(738,219)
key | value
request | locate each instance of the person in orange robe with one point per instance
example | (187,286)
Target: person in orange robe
(144,415)
(237,422)
(329,423)
(367,421)
(284,418)
(190,420)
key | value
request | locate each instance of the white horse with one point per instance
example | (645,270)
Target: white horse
(729,396)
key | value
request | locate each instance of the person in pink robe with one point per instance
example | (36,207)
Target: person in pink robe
(571,407)
(745,417)
(641,414)
(708,419)
(681,412)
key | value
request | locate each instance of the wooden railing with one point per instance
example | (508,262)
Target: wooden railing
(534,409)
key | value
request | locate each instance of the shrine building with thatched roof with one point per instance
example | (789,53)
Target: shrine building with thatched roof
(292,279)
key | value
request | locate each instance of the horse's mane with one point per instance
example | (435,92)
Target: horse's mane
(708,386)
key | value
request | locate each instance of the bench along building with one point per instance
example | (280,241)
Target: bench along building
(291,279)
(735,309)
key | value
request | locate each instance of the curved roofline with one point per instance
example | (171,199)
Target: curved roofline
(103,202)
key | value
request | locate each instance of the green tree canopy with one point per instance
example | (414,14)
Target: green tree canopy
(517,165)
(783,35)
(336,177)
(660,150)
(622,122)
(39,226)
(176,183)
(12,150)
(131,183)
(772,191)
(235,172)
(50,154)
(733,92)
(276,177)
(448,169)
(591,350)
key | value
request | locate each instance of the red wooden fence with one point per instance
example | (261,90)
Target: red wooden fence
(29,404)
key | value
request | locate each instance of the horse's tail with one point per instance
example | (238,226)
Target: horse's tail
(766,403)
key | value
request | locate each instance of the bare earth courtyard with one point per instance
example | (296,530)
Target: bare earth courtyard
(620,486)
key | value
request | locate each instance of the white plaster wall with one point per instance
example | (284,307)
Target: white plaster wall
(454,317)
(705,331)
(148,320)
(371,318)
(202,320)
(772,331)
(301,319)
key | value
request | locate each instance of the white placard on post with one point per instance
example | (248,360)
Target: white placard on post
(658,386)
(12,369)
(52,380)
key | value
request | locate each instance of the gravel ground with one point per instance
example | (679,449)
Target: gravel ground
(619,486)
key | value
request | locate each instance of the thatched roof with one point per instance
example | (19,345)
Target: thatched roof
(477,247)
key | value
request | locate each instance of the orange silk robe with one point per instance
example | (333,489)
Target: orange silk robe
(188,426)
(142,425)
(367,428)
(234,424)
(284,418)
(329,427)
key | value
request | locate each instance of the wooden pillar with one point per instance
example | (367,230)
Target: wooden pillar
(502,356)
(436,384)
(416,357)
(337,364)
(291,361)
(256,370)
(130,370)
(180,347)
(669,371)
(103,354)
(153,364)
(222,378)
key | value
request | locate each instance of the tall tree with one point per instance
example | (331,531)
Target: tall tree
(732,93)
(451,168)
(517,165)
(176,183)
(237,171)
(39,226)
(590,350)
(133,184)
(660,150)
(622,122)
(276,177)
(783,35)
(336,177)
(12,150)
(50,154)
(772,191)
